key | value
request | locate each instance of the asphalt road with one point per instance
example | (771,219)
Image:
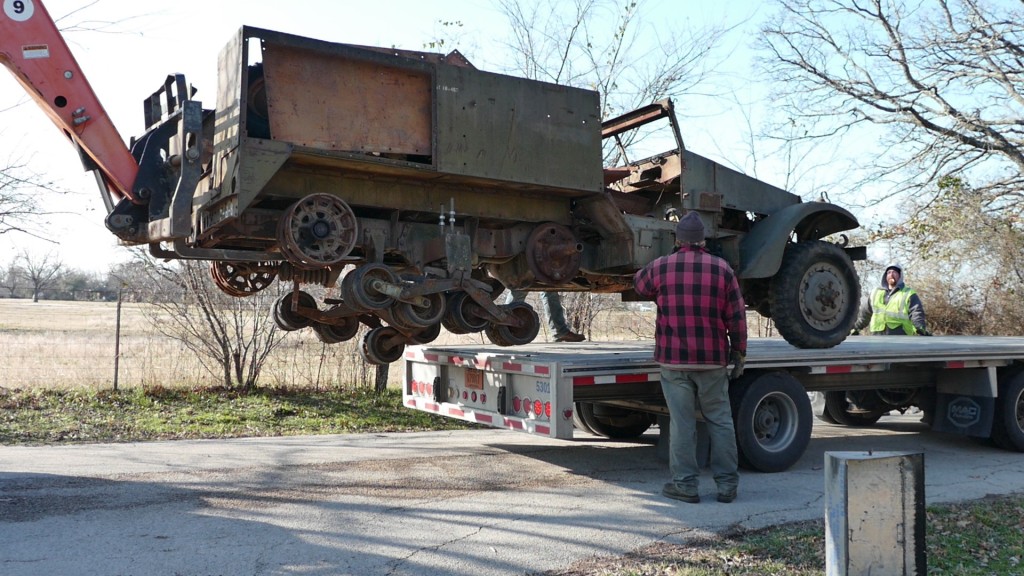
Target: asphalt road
(475,502)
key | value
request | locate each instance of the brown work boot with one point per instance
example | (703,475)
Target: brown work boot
(570,337)
(670,490)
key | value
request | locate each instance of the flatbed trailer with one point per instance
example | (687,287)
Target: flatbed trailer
(970,385)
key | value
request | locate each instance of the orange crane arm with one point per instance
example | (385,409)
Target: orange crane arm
(32,48)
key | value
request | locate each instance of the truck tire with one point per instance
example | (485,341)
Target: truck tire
(772,416)
(622,425)
(818,407)
(838,407)
(815,295)
(577,420)
(1008,424)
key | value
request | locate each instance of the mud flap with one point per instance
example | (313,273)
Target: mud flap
(967,415)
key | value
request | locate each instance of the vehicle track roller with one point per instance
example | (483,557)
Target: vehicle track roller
(359,288)
(337,333)
(459,317)
(382,345)
(415,316)
(288,319)
(317,232)
(527,329)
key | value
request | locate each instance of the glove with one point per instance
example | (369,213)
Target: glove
(923,332)
(737,359)
(855,332)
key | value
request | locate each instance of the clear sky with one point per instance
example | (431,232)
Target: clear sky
(139,42)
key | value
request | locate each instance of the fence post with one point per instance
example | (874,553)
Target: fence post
(117,339)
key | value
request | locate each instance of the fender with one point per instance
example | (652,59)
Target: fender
(762,248)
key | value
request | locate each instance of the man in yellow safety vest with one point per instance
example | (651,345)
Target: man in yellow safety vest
(893,309)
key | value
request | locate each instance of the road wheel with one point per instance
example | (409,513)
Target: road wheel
(772,416)
(838,406)
(286,318)
(814,296)
(382,345)
(505,335)
(1008,425)
(337,333)
(612,422)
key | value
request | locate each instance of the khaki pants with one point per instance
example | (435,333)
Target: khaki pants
(685,392)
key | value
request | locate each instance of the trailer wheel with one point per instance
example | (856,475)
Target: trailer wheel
(814,295)
(614,423)
(577,420)
(1008,425)
(427,335)
(838,407)
(772,416)
(819,408)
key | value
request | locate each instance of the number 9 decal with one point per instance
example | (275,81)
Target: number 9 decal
(19,10)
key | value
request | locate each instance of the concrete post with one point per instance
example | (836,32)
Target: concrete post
(874,514)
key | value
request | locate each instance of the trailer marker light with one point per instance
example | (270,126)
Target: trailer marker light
(527,405)
(483,398)
(473,397)
(547,409)
(538,408)
(517,404)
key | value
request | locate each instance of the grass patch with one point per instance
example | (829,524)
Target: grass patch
(88,415)
(979,538)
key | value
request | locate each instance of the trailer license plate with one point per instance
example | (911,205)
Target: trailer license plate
(474,379)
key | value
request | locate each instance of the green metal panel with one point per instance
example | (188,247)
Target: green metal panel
(517,130)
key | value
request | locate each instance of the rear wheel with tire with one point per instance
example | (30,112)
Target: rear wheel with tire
(612,422)
(772,416)
(1008,425)
(814,296)
(844,412)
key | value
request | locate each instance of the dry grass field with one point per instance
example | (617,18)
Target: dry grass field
(51,344)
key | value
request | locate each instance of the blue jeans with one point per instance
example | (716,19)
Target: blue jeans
(685,391)
(553,310)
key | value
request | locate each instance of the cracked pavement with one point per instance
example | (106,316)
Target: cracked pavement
(472,502)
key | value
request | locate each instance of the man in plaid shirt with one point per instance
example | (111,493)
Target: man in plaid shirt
(701,317)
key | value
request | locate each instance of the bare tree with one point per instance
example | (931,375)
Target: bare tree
(11,278)
(20,191)
(926,88)
(619,49)
(979,294)
(232,337)
(41,272)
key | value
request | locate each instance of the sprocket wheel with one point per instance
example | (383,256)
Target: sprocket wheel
(317,232)
(242,279)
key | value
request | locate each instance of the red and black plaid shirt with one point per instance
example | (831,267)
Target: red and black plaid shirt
(700,307)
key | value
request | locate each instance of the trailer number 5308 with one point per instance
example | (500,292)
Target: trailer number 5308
(19,10)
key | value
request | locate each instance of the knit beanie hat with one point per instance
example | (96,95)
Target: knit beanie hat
(690,230)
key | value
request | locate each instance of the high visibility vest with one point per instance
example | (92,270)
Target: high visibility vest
(894,314)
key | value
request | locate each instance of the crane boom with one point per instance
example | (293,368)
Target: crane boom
(32,48)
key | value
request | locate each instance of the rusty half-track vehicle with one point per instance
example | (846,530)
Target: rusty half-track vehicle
(418,187)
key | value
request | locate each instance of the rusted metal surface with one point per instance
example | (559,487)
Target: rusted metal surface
(331,102)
